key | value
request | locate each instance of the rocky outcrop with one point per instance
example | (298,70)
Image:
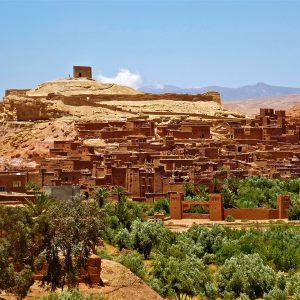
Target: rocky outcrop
(24,108)
(294,111)
(121,283)
(80,86)
(58,98)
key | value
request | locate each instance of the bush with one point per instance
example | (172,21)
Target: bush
(146,235)
(294,212)
(122,239)
(230,219)
(134,263)
(175,277)
(245,274)
(71,295)
(162,205)
(196,209)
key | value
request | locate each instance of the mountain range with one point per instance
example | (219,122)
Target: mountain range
(227,94)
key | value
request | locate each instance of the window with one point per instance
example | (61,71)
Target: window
(17,184)
(2,188)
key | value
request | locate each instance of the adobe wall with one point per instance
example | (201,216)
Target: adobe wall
(251,213)
(194,216)
(218,213)
(175,206)
(283,203)
(90,275)
(13,182)
(7,198)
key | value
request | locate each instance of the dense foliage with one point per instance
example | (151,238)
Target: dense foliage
(251,192)
(212,263)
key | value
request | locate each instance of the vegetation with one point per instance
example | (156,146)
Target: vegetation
(101,196)
(134,262)
(71,295)
(206,262)
(253,192)
(230,218)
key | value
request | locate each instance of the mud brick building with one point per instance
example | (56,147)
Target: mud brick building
(154,158)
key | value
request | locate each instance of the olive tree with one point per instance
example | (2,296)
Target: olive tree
(146,235)
(245,274)
(179,278)
(74,231)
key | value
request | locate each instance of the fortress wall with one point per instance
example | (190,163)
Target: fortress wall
(16,92)
(143,97)
(252,213)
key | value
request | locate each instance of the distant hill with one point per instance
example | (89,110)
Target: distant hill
(228,94)
(295,110)
(252,106)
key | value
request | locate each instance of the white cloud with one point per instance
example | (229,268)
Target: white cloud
(123,77)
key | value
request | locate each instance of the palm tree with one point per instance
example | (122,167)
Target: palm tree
(120,192)
(39,205)
(101,194)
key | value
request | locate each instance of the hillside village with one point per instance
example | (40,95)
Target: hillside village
(145,162)
(153,154)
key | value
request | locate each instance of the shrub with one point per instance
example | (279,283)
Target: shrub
(134,263)
(196,209)
(175,277)
(103,254)
(162,205)
(245,274)
(122,239)
(146,235)
(294,212)
(230,219)
(71,295)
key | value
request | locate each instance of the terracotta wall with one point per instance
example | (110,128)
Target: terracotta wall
(251,213)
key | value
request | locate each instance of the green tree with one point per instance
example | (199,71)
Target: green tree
(31,186)
(120,192)
(245,274)
(189,190)
(40,205)
(101,195)
(202,190)
(294,211)
(11,280)
(122,239)
(146,235)
(179,278)
(216,185)
(134,263)
(74,231)
(162,205)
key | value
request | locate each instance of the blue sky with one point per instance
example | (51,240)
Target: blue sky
(185,43)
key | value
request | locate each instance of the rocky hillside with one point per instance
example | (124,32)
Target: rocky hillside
(120,283)
(30,120)
(294,111)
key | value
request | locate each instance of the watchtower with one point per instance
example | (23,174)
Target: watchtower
(82,71)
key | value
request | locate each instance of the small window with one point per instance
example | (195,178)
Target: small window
(2,188)
(17,184)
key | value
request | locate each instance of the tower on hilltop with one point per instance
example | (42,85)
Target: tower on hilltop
(82,71)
